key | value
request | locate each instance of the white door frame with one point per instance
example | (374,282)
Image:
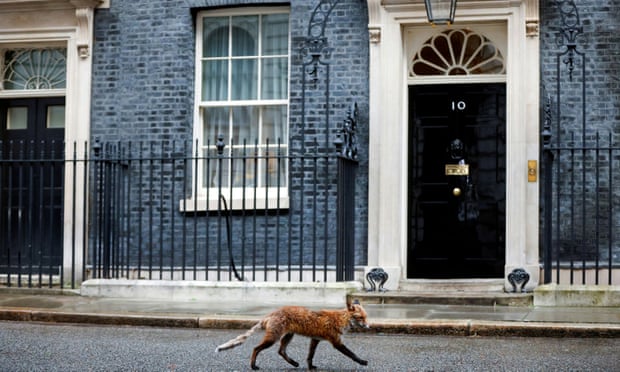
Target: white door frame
(65,23)
(388,122)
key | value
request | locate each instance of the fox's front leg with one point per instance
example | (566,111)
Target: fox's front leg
(284,341)
(313,344)
(345,350)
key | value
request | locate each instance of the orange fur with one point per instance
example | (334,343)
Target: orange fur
(320,325)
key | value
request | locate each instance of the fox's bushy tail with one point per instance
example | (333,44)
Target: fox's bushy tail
(239,339)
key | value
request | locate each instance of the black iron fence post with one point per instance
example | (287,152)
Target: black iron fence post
(346,147)
(547,192)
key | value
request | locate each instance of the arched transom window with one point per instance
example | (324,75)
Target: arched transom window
(33,69)
(457,52)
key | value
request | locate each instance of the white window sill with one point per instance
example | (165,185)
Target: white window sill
(238,203)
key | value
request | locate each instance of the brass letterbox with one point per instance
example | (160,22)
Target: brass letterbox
(457,169)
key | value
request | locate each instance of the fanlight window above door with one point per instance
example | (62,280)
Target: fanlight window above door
(457,52)
(33,69)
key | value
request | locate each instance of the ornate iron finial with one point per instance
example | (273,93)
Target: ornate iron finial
(546,132)
(96,148)
(346,140)
(338,142)
(219,144)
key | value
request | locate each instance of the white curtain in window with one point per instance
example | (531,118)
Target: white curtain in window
(215,63)
(274,125)
(244,69)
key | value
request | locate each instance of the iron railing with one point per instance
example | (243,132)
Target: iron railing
(581,211)
(581,234)
(31,218)
(148,223)
(163,210)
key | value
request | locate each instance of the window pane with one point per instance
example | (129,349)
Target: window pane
(275,34)
(215,39)
(17,118)
(216,122)
(212,166)
(56,116)
(274,83)
(273,168)
(215,80)
(244,79)
(245,125)
(243,166)
(274,124)
(32,69)
(244,36)
(273,129)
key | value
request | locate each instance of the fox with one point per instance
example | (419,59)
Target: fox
(283,323)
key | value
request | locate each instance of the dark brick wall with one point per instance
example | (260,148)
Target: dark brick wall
(586,181)
(599,48)
(143,90)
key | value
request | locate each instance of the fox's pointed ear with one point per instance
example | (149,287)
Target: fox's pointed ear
(350,305)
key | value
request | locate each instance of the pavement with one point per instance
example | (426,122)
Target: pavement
(65,306)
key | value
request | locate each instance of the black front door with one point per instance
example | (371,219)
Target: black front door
(457,173)
(31,184)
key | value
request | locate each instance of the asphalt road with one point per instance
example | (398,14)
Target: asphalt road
(53,347)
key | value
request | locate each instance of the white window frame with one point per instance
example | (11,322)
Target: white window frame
(208,199)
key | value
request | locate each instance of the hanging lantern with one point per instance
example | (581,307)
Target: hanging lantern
(440,12)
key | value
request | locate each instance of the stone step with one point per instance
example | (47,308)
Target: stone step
(445,298)
(474,292)
(452,285)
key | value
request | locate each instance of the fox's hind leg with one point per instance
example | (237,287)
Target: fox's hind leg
(269,339)
(284,341)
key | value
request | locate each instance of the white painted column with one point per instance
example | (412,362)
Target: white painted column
(522,196)
(374,133)
(532,79)
(387,172)
(77,131)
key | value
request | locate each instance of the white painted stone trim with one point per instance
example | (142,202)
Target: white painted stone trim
(67,23)
(387,189)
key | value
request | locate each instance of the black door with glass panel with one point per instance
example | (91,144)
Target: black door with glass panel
(457,173)
(31,184)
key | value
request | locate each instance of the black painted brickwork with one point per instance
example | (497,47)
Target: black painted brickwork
(586,182)
(143,84)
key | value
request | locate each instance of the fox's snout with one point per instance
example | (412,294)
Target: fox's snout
(360,323)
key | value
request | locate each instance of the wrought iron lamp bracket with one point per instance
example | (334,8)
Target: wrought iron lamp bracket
(570,31)
(315,47)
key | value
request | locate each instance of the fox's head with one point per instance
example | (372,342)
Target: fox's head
(357,315)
